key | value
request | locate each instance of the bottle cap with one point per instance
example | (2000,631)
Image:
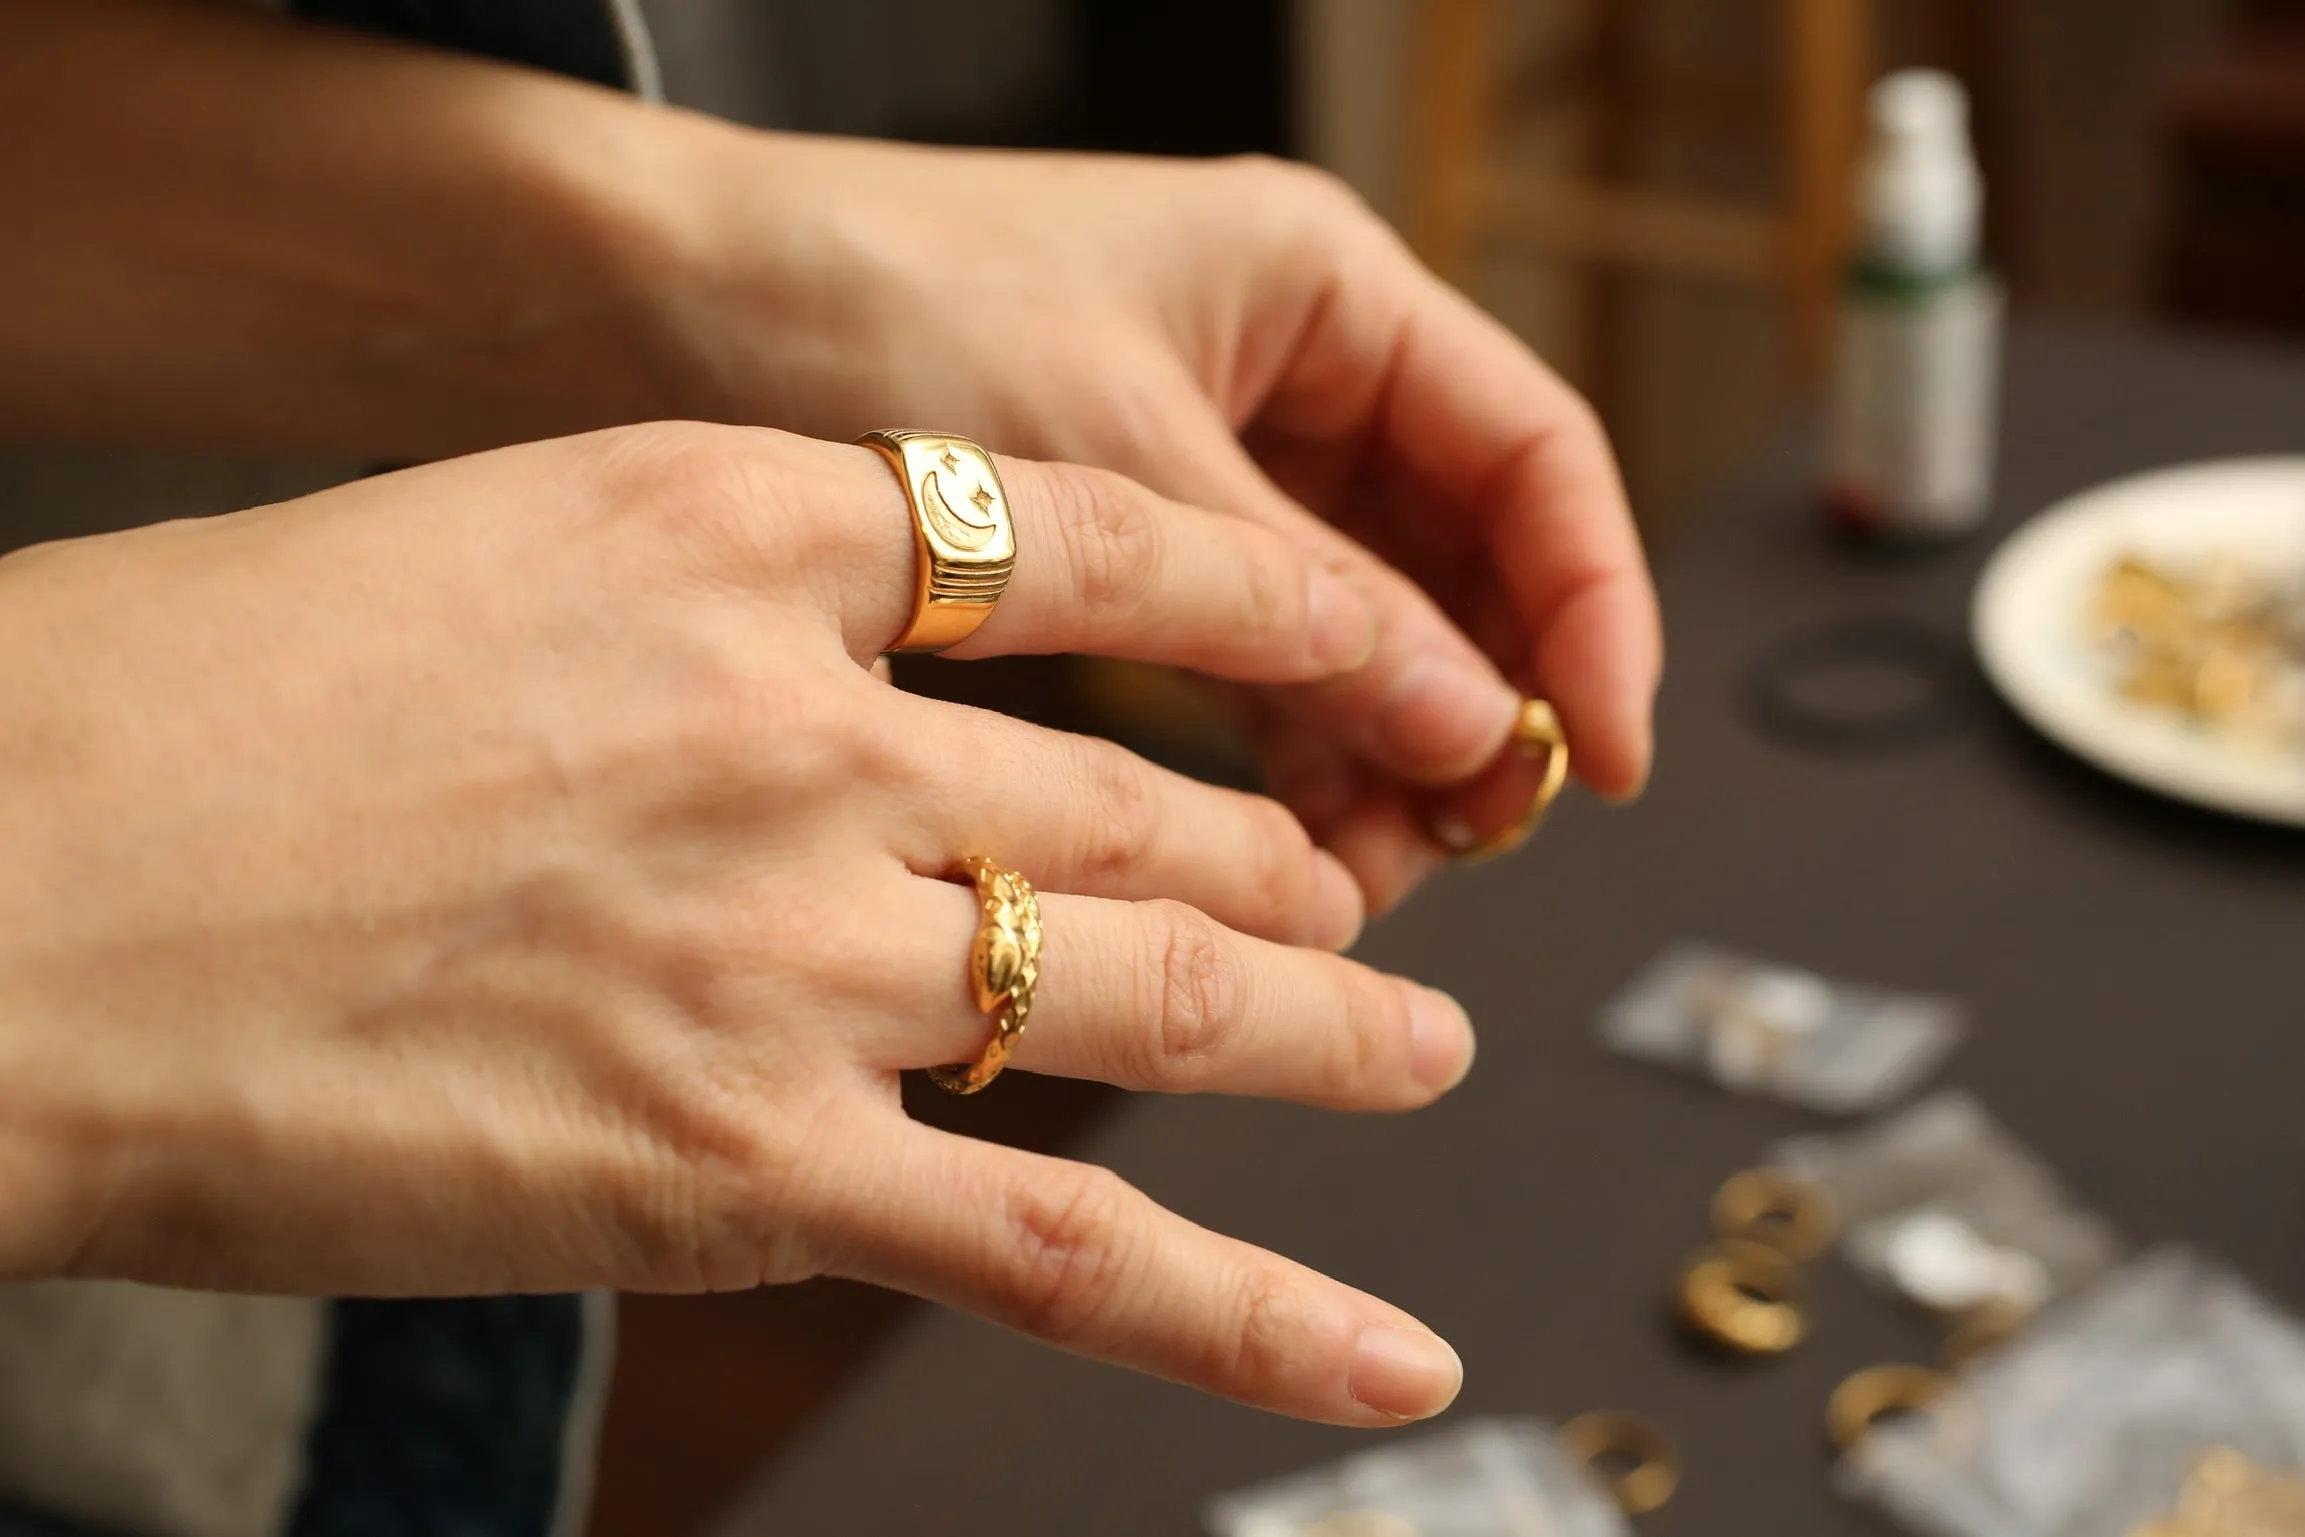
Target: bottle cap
(1919,195)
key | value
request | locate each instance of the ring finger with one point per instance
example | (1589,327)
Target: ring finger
(1160,996)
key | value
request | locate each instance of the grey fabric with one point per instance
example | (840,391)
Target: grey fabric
(153,1412)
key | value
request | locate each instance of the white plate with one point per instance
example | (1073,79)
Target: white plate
(2027,623)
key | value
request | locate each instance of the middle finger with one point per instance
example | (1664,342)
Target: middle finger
(1088,816)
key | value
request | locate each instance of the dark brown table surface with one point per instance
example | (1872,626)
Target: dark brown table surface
(2136,971)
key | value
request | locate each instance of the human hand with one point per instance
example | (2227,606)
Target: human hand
(1243,335)
(507,875)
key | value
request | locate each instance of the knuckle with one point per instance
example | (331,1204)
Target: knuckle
(1071,1250)
(694,488)
(1118,823)
(1277,871)
(743,723)
(1273,589)
(1111,545)
(1293,182)
(1580,418)
(1196,1006)
(1262,1345)
(716,1203)
(1371,1046)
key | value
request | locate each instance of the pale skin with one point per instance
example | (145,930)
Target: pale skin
(508,873)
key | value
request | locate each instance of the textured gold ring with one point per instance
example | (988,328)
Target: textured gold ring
(1003,969)
(1789,1214)
(1538,730)
(1632,1456)
(1745,1296)
(962,531)
(1865,1397)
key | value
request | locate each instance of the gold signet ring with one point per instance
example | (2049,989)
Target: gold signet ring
(1003,969)
(961,528)
(1537,730)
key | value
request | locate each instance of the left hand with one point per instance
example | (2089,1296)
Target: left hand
(1244,335)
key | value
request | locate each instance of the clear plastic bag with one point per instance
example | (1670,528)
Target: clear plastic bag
(1759,1028)
(1944,1208)
(1484,1478)
(2169,1397)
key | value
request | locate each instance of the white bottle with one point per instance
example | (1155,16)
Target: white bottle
(1916,376)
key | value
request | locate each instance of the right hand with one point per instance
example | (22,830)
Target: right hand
(508,875)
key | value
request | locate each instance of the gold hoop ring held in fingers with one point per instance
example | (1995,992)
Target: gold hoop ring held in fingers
(1003,969)
(1632,1456)
(1538,730)
(961,528)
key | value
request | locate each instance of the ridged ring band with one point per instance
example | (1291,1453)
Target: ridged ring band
(961,528)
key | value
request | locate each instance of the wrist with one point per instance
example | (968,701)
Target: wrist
(767,265)
(58,1125)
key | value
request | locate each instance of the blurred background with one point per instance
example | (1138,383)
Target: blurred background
(1652,191)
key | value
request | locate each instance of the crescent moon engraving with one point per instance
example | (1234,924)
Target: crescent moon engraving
(954,528)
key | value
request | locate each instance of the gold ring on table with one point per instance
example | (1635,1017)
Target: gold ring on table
(1632,1456)
(962,531)
(1981,1330)
(1865,1397)
(1781,1211)
(1537,730)
(1746,1297)
(1363,1521)
(1003,969)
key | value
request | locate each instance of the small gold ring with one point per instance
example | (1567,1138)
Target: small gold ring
(1003,969)
(1781,1211)
(1363,1522)
(1632,1456)
(1746,1297)
(961,529)
(1865,1398)
(1537,730)
(1981,1330)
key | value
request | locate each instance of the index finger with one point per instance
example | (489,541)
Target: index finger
(1106,566)
(1439,388)
(1481,419)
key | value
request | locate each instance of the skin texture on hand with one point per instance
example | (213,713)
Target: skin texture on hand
(240,232)
(1246,336)
(508,874)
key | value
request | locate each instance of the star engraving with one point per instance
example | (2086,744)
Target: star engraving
(951,465)
(983,499)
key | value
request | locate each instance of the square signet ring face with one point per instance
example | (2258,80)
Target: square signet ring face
(962,530)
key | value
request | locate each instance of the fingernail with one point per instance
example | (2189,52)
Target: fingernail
(1639,732)
(1447,713)
(1344,625)
(1339,910)
(1440,1039)
(1405,1372)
